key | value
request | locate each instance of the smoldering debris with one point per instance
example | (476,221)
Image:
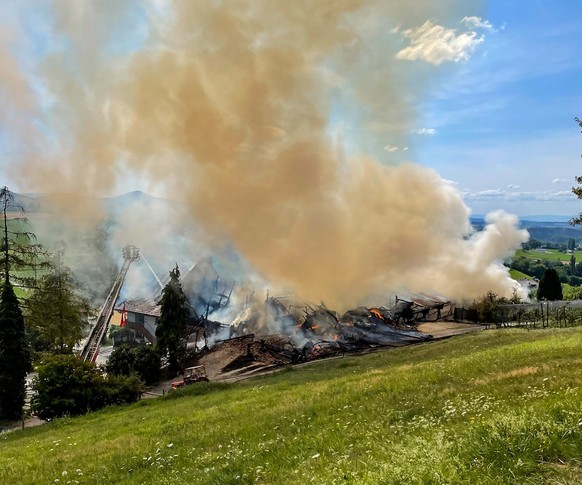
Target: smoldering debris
(240,334)
(280,331)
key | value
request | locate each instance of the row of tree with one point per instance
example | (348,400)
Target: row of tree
(43,316)
(51,318)
(14,354)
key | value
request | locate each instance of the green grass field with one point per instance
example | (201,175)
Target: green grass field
(548,255)
(518,275)
(502,406)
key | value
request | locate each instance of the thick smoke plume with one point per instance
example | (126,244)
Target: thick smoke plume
(232,107)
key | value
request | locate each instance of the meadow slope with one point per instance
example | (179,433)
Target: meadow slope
(500,406)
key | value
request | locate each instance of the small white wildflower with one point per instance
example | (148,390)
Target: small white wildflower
(169,445)
(315,456)
(64,474)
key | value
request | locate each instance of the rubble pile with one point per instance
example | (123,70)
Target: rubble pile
(307,332)
(236,335)
(247,355)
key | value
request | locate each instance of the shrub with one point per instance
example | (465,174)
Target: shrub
(69,386)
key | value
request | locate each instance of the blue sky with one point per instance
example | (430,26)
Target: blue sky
(496,120)
(503,119)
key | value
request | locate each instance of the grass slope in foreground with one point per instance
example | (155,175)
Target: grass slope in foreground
(501,406)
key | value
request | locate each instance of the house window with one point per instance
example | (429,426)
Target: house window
(139,318)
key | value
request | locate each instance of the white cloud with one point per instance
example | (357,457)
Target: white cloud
(434,44)
(477,23)
(392,149)
(425,131)
(513,186)
(559,181)
(500,194)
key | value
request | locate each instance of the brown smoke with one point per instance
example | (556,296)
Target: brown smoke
(228,106)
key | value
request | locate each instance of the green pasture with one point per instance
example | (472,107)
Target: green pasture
(548,255)
(500,406)
(518,275)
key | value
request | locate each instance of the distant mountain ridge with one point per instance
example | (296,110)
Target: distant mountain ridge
(533,218)
(556,230)
(34,202)
(28,202)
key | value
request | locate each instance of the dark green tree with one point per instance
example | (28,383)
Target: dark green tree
(147,363)
(142,360)
(171,330)
(14,355)
(121,361)
(550,287)
(571,244)
(56,315)
(573,264)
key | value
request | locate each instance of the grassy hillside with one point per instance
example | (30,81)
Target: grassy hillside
(500,406)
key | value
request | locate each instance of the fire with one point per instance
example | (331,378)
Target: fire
(376,313)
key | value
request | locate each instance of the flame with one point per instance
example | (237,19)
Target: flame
(376,313)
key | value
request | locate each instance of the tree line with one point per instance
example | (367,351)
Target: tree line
(43,316)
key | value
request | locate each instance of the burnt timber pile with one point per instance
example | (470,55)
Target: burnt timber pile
(237,339)
(314,332)
(244,356)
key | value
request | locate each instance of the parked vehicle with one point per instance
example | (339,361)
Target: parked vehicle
(191,375)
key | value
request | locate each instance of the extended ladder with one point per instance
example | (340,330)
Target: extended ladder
(99,330)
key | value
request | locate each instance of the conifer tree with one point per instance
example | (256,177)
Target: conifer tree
(550,287)
(18,246)
(14,356)
(171,329)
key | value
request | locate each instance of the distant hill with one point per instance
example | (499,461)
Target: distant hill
(480,219)
(28,202)
(32,202)
(547,228)
(546,218)
(112,204)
